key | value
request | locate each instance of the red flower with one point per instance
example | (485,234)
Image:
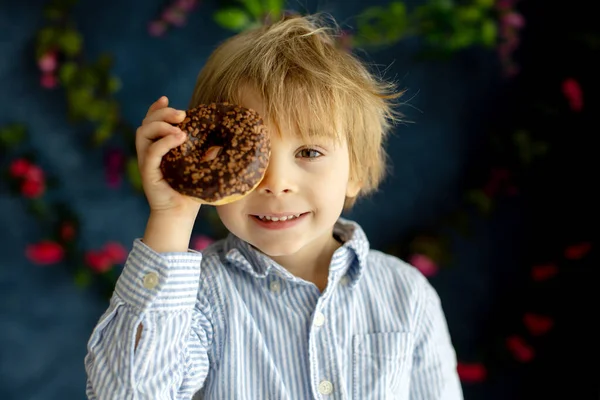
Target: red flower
(520,350)
(32,189)
(572,91)
(67,231)
(48,80)
(99,261)
(423,263)
(116,252)
(471,372)
(19,167)
(543,272)
(537,324)
(578,251)
(45,252)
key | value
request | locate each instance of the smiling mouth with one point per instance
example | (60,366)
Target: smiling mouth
(269,218)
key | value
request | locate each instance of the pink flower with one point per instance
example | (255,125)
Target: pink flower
(520,350)
(186,5)
(201,242)
(174,16)
(573,93)
(45,252)
(114,166)
(471,372)
(98,261)
(19,167)
(157,28)
(48,80)
(537,324)
(34,173)
(424,264)
(48,62)
(514,19)
(116,252)
(505,4)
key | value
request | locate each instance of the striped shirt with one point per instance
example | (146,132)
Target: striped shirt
(230,323)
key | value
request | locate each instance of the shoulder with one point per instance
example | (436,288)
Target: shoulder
(394,280)
(391,270)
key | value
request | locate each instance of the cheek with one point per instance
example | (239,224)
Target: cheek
(229,214)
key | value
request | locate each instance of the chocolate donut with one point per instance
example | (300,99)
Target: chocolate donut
(224,157)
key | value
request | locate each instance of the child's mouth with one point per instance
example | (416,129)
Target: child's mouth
(273,222)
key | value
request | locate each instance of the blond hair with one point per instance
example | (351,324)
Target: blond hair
(308,82)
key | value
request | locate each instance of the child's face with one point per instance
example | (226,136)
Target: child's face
(311,179)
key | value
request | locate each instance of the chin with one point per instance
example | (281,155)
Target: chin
(280,249)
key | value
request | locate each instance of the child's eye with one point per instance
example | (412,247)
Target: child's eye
(309,153)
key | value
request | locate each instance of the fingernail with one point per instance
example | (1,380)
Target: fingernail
(181,113)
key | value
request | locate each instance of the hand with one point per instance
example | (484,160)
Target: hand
(154,138)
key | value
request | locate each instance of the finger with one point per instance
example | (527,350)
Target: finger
(167,114)
(146,135)
(155,153)
(162,102)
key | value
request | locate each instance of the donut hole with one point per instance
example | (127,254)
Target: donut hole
(212,153)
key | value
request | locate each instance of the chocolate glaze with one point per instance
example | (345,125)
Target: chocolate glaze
(238,138)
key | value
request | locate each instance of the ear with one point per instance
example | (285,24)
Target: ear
(353,188)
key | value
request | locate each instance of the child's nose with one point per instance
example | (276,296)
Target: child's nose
(276,180)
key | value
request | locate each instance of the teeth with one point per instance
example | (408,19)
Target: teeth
(277,219)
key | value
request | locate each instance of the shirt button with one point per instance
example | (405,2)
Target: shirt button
(150,280)
(325,387)
(319,319)
(344,280)
(275,287)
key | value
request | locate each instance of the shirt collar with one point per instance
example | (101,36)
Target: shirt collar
(350,258)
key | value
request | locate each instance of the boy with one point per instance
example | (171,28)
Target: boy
(293,304)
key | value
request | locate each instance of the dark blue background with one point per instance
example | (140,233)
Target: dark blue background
(45,321)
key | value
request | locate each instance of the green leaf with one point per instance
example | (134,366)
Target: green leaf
(114,84)
(53,13)
(70,42)
(274,8)
(254,7)
(489,32)
(12,135)
(485,3)
(38,208)
(102,133)
(46,38)
(480,200)
(83,277)
(232,18)
(133,173)
(68,72)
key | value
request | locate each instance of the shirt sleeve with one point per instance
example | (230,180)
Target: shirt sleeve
(434,375)
(160,291)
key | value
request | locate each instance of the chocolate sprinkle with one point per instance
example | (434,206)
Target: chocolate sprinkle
(225,154)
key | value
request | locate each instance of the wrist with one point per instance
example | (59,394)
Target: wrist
(169,232)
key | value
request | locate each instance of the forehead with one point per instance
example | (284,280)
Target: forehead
(299,121)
